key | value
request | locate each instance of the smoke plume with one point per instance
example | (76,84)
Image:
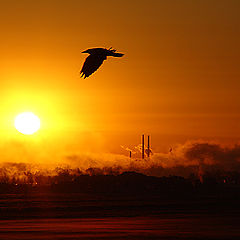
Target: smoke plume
(196,158)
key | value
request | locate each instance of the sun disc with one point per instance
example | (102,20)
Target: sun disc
(27,123)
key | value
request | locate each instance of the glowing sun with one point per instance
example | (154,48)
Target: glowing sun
(27,123)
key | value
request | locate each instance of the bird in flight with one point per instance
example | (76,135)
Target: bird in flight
(95,59)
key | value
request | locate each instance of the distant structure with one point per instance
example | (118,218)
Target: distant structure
(148,150)
(148,147)
(145,151)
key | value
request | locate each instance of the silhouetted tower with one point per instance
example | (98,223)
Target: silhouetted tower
(148,146)
(143,146)
(130,154)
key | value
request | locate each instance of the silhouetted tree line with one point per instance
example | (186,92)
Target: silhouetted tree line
(95,180)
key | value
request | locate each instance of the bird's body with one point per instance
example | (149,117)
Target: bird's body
(95,59)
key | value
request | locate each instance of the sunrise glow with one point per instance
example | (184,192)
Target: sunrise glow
(27,123)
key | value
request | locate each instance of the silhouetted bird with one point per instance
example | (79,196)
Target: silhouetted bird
(95,59)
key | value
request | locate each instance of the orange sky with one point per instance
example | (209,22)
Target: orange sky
(178,80)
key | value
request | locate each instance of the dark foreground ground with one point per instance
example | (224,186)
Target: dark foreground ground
(162,227)
(170,210)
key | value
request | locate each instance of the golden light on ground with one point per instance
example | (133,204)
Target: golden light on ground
(27,123)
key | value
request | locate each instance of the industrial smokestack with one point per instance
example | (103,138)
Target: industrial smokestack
(130,154)
(143,146)
(148,146)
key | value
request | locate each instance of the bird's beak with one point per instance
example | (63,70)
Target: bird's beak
(84,51)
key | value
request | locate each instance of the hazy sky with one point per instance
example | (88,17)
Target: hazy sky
(179,76)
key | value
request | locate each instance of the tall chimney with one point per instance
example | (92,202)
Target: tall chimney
(148,147)
(130,154)
(143,146)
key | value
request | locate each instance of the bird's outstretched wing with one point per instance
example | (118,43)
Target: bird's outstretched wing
(91,64)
